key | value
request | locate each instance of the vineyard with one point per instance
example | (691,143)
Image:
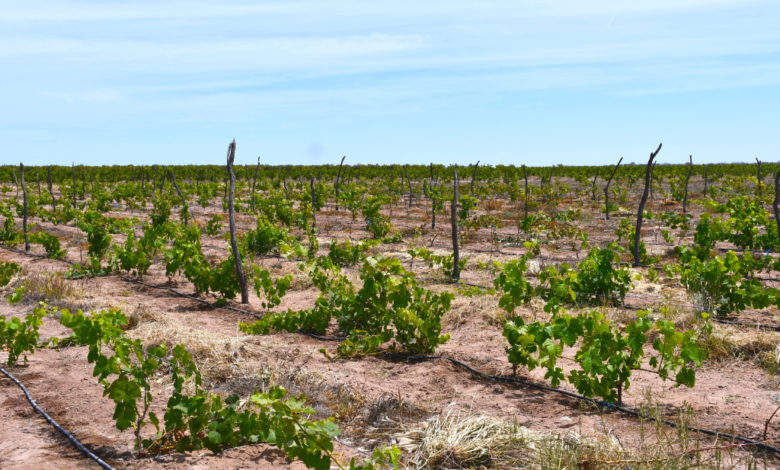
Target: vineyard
(402,316)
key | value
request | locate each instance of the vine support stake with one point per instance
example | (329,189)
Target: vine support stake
(162,182)
(759,176)
(24,213)
(313,202)
(16,181)
(652,182)
(640,213)
(606,188)
(433,202)
(231,156)
(51,191)
(184,208)
(594,182)
(687,178)
(525,175)
(541,187)
(454,221)
(473,178)
(254,184)
(73,167)
(338,177)
(154,181)
(705,182)
(411,195)
(776,202)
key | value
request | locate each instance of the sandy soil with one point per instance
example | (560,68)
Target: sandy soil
(734,396)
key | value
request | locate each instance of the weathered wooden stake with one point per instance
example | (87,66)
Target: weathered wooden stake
(640,213)
(231,155)
(525,175)
(73,167)
(474,177)
(338,177)
(454,221)
(313,203)
(184,208)
(776,202)
(411,195)
(254,183)
(606,188)
(687,179)
(24,211)
(51,191)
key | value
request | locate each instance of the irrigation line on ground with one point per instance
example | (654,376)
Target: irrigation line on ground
(590,400)
(59,428)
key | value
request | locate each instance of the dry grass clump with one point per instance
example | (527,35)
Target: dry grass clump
(301,280)
(378,421)
(745,344)
(450,441)
(485,306)
(219,357)
(328,399)
(51,288)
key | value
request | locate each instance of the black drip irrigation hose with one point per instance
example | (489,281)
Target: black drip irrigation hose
(709,432)
(180,294)
(59,428)
(321,338)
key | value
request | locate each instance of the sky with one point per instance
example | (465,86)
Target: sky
(535,82)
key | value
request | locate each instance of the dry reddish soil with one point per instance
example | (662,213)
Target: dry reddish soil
(733,396)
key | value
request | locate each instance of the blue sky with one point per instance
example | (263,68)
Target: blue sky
(521,82)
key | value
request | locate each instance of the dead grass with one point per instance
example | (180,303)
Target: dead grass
(453,441)
(219,357)
(744,344)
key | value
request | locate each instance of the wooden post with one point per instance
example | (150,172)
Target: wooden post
(51,191)
(73,167)
(338,177)
(24,211)
(525,175)
(594,182)
(83,182)
(184,208)
(705,182)
(143,182)
(776,202)
(433,202)
(227,177)
(231,155)
(454,221)
(606,188)
(313,203)
(640,213)
(162,182)
(16,181)
(541,188)
(687,178)
(38,182)
(759,176)
(411,194)
(652,181)
(254,183)
(154,181)
(474,177)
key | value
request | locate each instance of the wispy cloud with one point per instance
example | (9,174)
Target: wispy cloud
(308,64)
(92,96)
